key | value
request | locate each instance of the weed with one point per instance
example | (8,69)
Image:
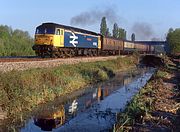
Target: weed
(161,74)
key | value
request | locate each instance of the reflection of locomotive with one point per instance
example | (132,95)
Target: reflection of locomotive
(48,119)
(56,40)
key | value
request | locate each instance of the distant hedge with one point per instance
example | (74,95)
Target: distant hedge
(15,42)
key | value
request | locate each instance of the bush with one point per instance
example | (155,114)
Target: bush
(173,38)
(15,42)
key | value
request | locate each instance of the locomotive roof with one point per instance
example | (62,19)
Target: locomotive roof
(68,27)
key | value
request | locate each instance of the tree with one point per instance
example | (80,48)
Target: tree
(15,43)
(173,39)
(170,30)
(115,30)
(108,34)
(121,33)
(103,28)
(133,37)
(124,34)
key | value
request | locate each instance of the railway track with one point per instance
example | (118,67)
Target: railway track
(24,63)
(22,58)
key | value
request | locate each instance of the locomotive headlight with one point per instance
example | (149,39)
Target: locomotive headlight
(51,40)
(36,39)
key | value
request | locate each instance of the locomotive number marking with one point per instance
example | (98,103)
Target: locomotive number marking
(94,43)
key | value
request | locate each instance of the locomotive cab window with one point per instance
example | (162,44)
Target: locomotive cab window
(58,32)
(37,31)
(45,30)
(61,32)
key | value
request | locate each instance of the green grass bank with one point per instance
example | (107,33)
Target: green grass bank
(22,91)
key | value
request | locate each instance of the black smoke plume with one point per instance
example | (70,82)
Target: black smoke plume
(94,16)
(142,30)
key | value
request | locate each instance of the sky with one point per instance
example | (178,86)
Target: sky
(148,19)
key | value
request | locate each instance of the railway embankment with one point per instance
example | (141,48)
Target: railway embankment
(20,64)
(157,106)
(23,91)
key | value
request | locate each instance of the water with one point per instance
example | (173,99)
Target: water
(93,109)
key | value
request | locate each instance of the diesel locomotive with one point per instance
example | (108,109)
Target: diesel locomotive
(55,40)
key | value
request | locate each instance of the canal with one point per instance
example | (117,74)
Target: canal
(90,109)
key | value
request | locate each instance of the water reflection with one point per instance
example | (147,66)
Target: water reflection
(89,109)
(49,119)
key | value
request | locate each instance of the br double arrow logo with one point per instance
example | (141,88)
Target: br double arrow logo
(74,41)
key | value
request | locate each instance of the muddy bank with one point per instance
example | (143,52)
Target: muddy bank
(157,106)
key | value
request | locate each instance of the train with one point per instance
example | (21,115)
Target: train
(56,40)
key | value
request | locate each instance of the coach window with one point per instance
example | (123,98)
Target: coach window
(58,32)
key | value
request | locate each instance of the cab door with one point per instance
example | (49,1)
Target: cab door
(59,38)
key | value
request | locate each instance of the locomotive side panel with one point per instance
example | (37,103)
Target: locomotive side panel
(80,40)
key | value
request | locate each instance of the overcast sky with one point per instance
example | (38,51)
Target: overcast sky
(146,18)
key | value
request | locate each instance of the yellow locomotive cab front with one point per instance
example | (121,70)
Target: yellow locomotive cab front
(44,35)
(48,36)
(47,40)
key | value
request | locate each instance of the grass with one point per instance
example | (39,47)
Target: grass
(22,91)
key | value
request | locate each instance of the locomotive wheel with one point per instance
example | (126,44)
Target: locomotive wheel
(91,53)
(42,54)
(53,55)
(94,53)
(62,54)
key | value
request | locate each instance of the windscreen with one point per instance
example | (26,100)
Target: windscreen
(45,30)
